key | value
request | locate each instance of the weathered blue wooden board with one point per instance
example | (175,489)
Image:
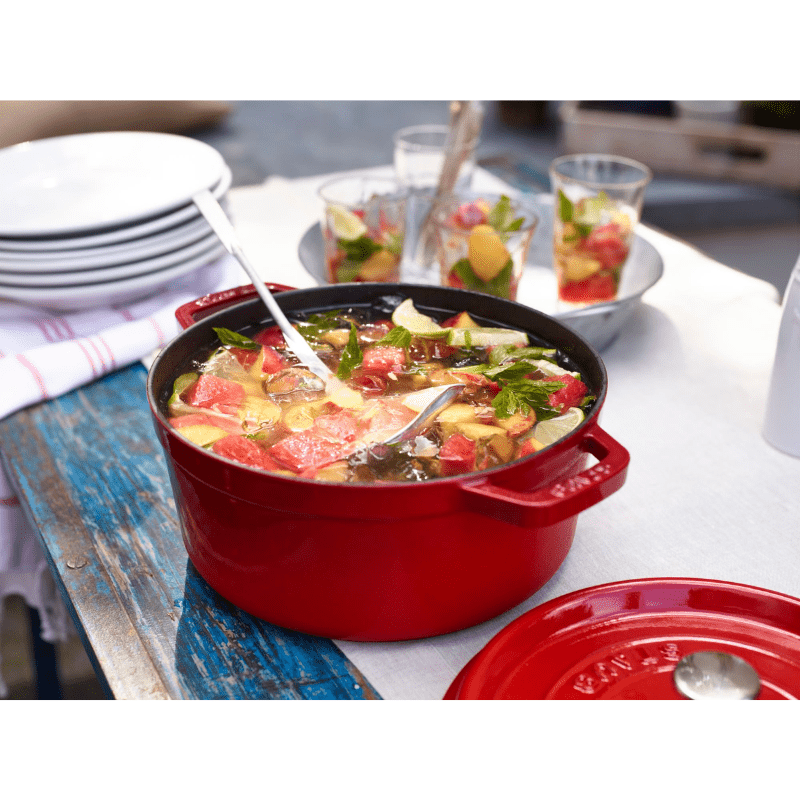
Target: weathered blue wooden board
(94,483)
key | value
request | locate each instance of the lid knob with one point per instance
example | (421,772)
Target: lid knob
(711,675)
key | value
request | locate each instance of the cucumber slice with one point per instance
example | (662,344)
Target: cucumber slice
(485,337)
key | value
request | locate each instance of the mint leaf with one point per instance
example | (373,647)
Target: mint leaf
(523,396)
(351,355)
(358,250)
(317,324)
(394,243)
(501,217)
(397,337)
(347,271)
(230,338)
(565,207)
(500,285)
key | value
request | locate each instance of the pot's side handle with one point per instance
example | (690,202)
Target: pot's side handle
(562,499)
(194,311)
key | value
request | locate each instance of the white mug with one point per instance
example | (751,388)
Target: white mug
(782,420)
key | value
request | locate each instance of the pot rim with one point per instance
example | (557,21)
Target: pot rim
(519,465)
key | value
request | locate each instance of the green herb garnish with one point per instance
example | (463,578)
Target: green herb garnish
(501,217)
(394,243)
(318,324)
(351,355)
(358,250)
(232,339)
(518,393)
(498,286)
(397,337)
(521,396)
(565,207)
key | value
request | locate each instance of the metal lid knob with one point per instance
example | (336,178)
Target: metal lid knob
(711,675)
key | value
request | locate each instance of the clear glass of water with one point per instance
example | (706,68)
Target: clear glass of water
(418,158)
(419,155)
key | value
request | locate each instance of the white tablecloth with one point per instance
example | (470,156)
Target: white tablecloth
(705,496)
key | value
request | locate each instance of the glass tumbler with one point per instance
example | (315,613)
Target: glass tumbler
(363,228)
(418,158)
(482,241)
(598,201)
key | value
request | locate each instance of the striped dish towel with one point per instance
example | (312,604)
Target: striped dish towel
(44,354)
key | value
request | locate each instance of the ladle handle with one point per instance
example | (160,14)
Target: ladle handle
(222,227)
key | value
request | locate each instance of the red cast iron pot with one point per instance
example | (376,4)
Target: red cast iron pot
(388,561)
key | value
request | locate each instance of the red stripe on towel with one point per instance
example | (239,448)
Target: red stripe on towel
(9,501)
(36,374)
(41,323)
(99,353)
(67,327)
(110,352)
(161,338)
(88,357)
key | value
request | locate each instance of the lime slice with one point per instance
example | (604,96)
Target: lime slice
(346,225)
(406,316)
(485,337)
(551,430)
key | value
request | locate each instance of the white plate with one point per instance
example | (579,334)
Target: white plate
(73,298)
(120,272)
(161,243)
(599,324)
(91,181)
(129,233)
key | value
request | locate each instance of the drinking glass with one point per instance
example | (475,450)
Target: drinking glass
(419,152)
(419,155)
(482,241)
(598,201)
(363,228)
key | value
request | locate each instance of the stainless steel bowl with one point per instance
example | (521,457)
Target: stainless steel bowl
(600,323)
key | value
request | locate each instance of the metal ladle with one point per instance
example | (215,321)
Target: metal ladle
(216,217)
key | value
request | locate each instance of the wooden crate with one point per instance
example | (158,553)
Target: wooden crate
(734,152)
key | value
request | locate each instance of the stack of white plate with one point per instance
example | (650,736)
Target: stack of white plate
(104,218)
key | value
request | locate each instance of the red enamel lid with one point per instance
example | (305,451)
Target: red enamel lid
(622,641)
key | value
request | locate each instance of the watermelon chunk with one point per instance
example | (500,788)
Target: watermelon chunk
(382,360)
(245,451)
(306,450)
(244,356)
(388,419)
(570,395)
(457,455)
(272,337)
(219,394)
(273,360)
(343,426)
